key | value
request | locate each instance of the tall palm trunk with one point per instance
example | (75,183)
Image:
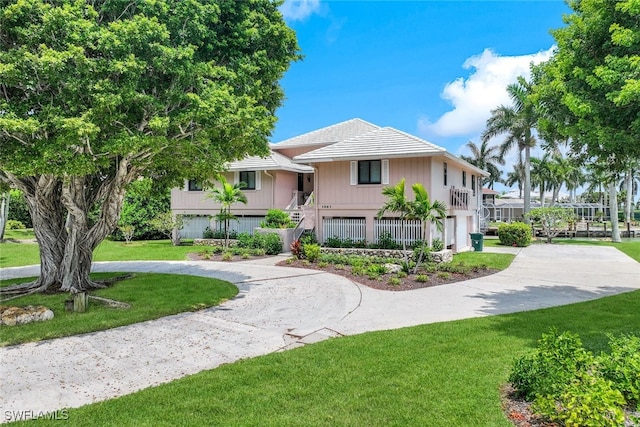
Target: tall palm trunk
(613,208)
(527,183)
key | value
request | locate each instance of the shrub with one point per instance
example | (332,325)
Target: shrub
(312,252)
(18,208)
(14,224)
(443,275)
(569,385)
(587,401)
(394,281)
(622,366)
(277,218)
(323,264)
(555,363)
(385,241)
(401,274)
(143,201)
(272,243)
(422,278)
(515,234)
(127,231)
(227,256)
(297,249)
(208,233)
(437,245)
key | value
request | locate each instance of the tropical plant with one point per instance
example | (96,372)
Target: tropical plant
(397,202)
(516,176)
(540,175)
(518,122)
(277,218)
(227,194)
(486,158)
(426,212)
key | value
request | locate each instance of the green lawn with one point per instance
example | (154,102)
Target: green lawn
(150,295)
(445,374)
(19,254)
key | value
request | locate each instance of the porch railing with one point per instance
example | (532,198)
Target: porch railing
(459,198)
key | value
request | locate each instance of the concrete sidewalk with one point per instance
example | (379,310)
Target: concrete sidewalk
(280,308)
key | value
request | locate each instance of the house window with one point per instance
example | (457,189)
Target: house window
(194,185)
(473,184)
(464,179)
(444,171)
(249,178)
(369,172)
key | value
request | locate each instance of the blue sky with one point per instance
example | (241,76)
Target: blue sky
(434,69)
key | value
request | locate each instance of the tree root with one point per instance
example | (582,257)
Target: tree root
(111,302)
(22,289)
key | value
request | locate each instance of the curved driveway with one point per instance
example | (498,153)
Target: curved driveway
(280,308)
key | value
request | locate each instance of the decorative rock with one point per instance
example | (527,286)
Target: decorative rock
(445,255)
(11,316)
(393,268)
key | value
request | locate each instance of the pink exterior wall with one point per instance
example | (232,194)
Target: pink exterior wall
(286,184)
(335,197)
(276,191)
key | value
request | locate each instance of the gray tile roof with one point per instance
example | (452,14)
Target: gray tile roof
(274,161)
(328,135)
(380,143)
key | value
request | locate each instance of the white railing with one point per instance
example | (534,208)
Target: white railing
(459,198)
(412,230)
(344,228)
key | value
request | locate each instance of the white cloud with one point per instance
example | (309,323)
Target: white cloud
(473,98)
(299,10)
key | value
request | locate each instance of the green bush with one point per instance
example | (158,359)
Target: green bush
(587,401)
(270,243)
(515,234)
(437,245)
(555,363)
(385,241)
(422,278)
(18,208)
(13,224)
(568,384)
(208,233)
(622,366)
(143,202)
(312,252)
(277,218)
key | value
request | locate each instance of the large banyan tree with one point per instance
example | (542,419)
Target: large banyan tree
(94,94)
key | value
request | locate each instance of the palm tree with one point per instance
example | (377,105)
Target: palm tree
(397,202)
(540,175)
(517,122)
(485,158)
(227,195)
(515,177)
(428,213)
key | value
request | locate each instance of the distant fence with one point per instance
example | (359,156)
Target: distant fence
(412,230)
(194,226)
(344,228)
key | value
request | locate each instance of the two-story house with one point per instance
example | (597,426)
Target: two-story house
(338,188)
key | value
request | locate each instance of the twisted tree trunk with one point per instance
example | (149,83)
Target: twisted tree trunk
(60,208)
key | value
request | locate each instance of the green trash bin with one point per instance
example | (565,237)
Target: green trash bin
(477,240)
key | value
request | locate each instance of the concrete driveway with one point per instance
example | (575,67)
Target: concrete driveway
(280,308)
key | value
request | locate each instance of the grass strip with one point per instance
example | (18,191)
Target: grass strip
(151,295)
(440,374)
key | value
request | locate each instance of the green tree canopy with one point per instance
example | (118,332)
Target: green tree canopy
(96,94)
(590,88)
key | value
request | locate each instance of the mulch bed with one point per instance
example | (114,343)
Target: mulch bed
(406,283)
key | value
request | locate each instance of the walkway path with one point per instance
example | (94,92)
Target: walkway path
(279,308)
